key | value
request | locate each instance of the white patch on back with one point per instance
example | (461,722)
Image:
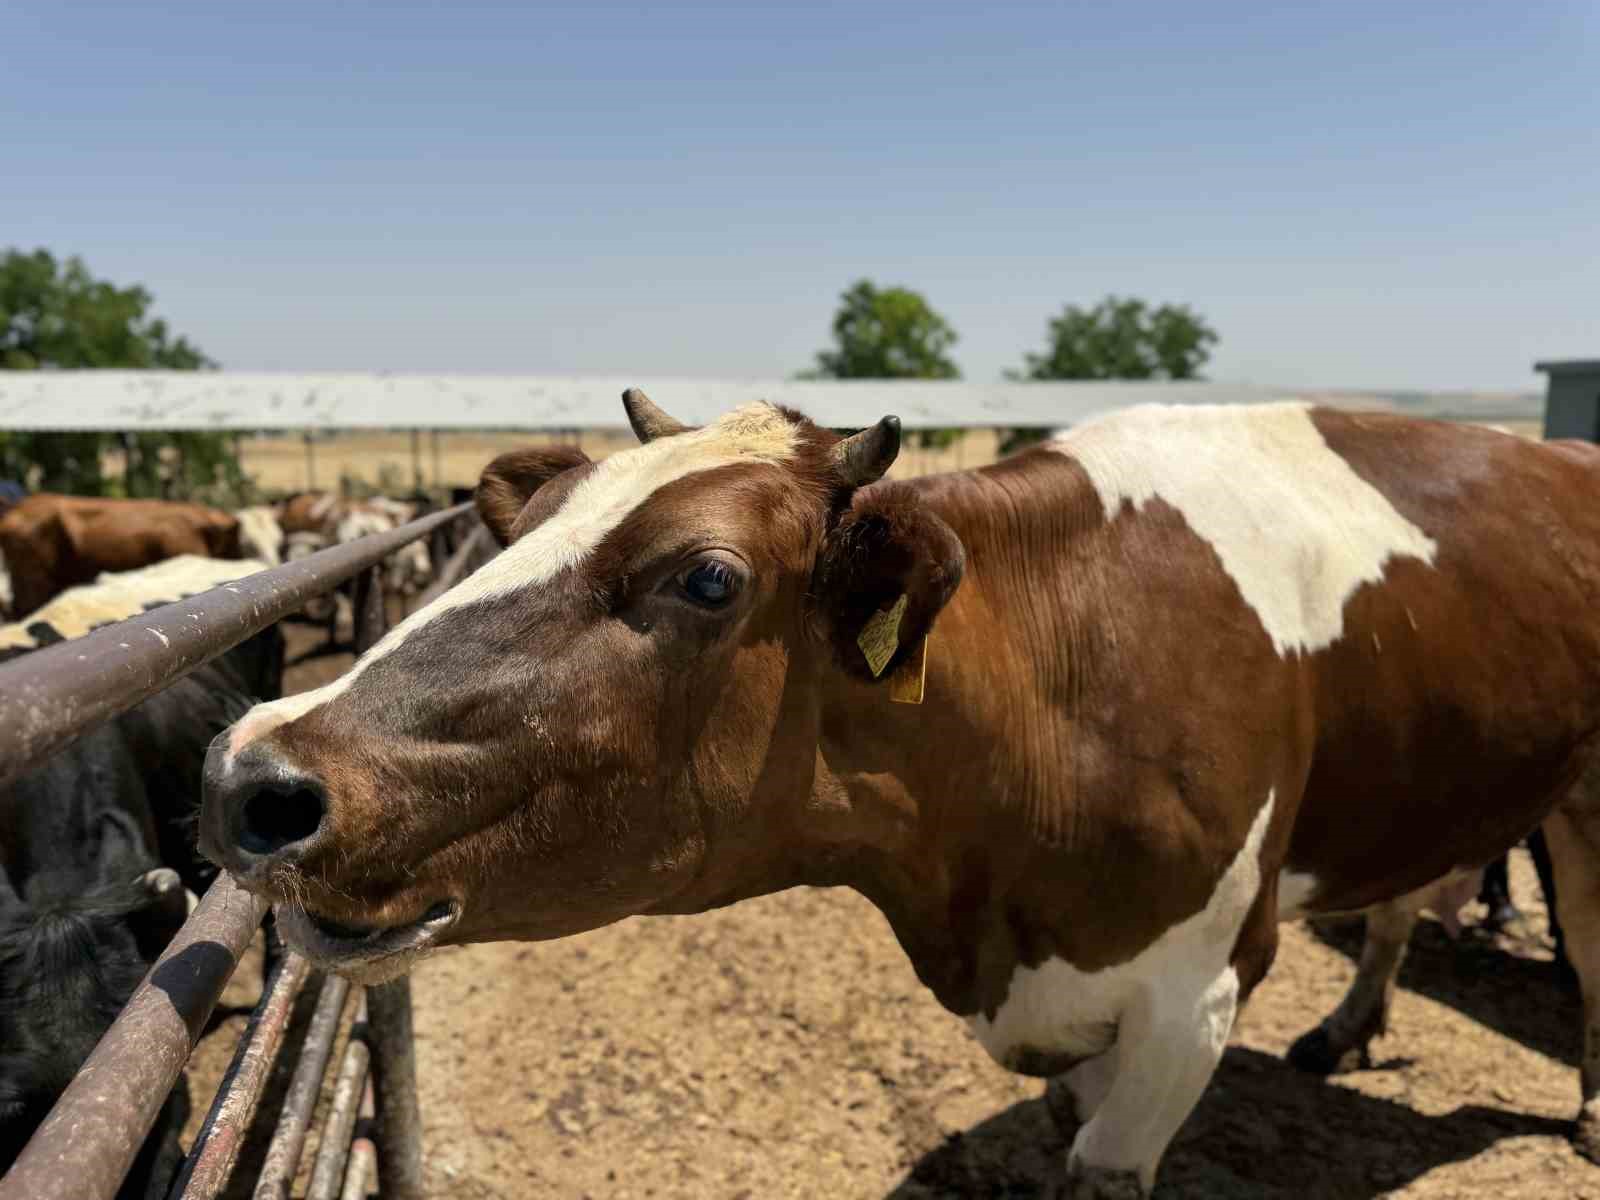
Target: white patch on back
(600,502)
(120,595)
(1295,889)
(1295,527)
(1057,1008)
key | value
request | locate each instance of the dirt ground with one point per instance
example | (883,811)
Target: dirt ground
(783,1048)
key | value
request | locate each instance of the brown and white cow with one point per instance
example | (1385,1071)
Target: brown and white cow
(53,542)
(1188,671)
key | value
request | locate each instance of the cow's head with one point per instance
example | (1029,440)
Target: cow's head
(619,714)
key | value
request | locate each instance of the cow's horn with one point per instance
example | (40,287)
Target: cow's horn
(648,421)
(160,881)
(863,457)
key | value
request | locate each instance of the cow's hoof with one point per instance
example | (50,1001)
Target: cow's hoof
(1101,1183)
(1316,1054)
(1586,1136)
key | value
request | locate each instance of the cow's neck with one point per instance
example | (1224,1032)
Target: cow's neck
(915,805)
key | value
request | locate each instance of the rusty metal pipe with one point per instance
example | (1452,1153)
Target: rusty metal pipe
(327,1174)
(92,1135)
(394,1082)
(289,1138)
(210,1163)
(57,693)
(363,1158)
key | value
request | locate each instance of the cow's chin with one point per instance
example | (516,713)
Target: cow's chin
(364,955)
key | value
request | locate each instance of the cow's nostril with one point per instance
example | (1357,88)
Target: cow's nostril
(274,819)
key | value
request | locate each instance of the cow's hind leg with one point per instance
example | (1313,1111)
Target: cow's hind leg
(1572,833)
(1364,1011)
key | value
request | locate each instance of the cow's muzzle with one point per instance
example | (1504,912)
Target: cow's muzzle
(260,812)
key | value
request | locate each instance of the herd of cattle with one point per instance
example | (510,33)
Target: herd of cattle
(1173,676)
(98,866)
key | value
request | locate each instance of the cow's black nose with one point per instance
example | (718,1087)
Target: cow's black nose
(258,808)
(278,815)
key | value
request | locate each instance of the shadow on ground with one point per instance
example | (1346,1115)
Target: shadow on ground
(1484,978)
(1262,1129)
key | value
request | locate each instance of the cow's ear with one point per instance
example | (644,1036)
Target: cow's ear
(885,571)
(509,481)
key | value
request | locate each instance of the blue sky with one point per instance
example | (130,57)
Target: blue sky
(1385,195)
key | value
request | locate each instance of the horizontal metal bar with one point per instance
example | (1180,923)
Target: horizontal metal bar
(55,694)
(216,1150)
(289,1138)
(92,1135)
(139,399)
(363,1158)
(327,1174)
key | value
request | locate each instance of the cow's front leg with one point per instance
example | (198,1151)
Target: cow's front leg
(1169,1042)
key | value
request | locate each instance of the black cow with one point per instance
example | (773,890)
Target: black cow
(96,846)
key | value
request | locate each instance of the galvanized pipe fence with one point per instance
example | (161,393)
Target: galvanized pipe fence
(87,1144)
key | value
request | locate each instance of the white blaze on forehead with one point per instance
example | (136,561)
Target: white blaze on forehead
(1295,527)
(599,503)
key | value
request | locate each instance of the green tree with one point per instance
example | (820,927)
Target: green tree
(56,315)
(1119,338)
(1122,338)
(889,333)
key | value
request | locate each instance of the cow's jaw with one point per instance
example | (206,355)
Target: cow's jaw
(366,955)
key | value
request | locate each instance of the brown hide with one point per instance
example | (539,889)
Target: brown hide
(53,542)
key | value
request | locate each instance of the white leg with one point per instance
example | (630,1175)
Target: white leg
(1090,1082)
(1169,1042)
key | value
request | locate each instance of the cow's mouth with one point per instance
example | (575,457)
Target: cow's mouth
(367,953)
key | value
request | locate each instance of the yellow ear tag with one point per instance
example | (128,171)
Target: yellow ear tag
(907,683)
(880,636)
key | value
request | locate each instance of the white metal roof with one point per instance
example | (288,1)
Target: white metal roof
(132,400)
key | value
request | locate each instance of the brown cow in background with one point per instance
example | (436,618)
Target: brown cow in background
(51,542)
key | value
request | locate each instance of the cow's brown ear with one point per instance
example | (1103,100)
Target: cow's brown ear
(508,482)
(885,571)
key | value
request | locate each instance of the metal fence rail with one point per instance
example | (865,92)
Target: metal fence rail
(89,1141)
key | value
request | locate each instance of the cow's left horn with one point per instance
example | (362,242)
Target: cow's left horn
(648,421)
(863,457)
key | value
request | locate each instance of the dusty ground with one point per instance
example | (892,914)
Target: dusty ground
(783,1048)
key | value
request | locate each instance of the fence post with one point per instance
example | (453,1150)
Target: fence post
(394,1084)
(369,615)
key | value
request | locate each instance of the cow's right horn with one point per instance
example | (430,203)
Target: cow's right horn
(648,421)
(863,457)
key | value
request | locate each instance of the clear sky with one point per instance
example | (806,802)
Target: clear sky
(1355,194)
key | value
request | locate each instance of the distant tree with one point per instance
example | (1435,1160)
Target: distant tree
(1119,338)
(56,315)
(889,333)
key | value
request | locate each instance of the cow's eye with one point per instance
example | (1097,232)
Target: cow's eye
(711,584)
